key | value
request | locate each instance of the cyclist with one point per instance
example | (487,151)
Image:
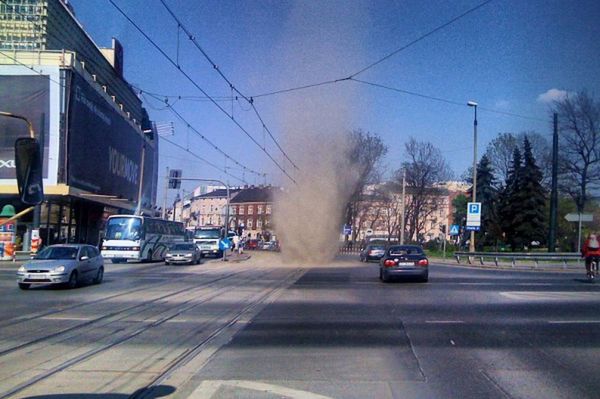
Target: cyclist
(591,253)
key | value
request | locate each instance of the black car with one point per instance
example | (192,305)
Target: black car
(404,261)
(372,252)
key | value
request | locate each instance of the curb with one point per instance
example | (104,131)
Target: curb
(508,267)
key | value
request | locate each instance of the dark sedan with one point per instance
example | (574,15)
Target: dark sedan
(404,261)
(372,252)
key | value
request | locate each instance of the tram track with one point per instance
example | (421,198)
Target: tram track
(87,323)
(123,335)
(153,284)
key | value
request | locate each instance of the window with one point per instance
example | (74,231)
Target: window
(259,224)
(241,212)
(259,209)
(268,211)
(249,224)
(250,209)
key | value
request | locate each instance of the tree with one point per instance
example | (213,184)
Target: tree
(366,153)
(509,201)
(487,194)
(500,153)
(529,222)
(459,206)
(425,166)
(579,123)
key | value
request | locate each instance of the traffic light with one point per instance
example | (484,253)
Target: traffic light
(28,163)
(174,178)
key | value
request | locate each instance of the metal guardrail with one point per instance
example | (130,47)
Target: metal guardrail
(536,257)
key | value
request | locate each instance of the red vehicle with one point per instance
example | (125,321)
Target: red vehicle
(251,244)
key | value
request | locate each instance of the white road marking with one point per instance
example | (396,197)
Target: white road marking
(452,342)
(573,321)
(207,389)
(444,321)
(550,296)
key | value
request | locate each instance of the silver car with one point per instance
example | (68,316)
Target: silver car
(184,252)
(68,264)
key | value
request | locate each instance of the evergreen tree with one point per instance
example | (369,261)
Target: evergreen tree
(509,204)
(530,222)
(487,194)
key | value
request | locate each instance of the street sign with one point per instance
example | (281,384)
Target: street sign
(472,228)
(347,230)
(473,214)
(454,230)
(574,217)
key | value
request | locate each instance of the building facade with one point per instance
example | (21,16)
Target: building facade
(99,146)
(380,213)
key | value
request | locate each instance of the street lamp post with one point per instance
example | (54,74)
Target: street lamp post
(474,105)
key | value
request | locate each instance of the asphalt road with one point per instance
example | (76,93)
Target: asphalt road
(264,329)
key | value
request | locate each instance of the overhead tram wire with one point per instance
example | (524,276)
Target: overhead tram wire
(213,145)
(431,32)
(393,53)
(444,100)
(188,77)
(231,85)
(203,160)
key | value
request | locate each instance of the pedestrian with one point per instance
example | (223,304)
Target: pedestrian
(236,242)
(590,252)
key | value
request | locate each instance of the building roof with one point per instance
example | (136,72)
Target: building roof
(255,194)
(219,193)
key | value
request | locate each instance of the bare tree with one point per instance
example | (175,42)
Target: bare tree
(579,123)
(366,154)
(500,153)
(425,166)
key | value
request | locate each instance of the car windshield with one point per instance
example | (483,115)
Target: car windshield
(58,253)
(212,233)
(377,247)
(123,228)
(182,247)
(394,251)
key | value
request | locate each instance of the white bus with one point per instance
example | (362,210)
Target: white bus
(139,238)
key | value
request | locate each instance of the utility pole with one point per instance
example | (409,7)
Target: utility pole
(474,105)
(164,210)
(402,221)
(554,189)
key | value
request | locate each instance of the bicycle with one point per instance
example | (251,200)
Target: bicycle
(591,275)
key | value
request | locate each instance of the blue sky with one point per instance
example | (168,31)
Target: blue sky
(504,55)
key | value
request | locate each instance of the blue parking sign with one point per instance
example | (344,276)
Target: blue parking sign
(475,207)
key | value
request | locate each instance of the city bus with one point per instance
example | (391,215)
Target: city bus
(139,238)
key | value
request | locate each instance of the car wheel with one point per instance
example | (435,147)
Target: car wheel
(99,275)
(384,277)
(72,280)
(167,263)
(24,286)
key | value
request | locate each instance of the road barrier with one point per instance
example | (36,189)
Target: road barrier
(513,257)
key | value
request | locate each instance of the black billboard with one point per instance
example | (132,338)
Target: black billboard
(104,149)
(27,96)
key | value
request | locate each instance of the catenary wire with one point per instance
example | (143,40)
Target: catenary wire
(415,41)
(203,159)
(213,145)
(188,77)
(444,100)
(229,82)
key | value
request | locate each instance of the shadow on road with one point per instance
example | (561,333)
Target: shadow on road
(154,392)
